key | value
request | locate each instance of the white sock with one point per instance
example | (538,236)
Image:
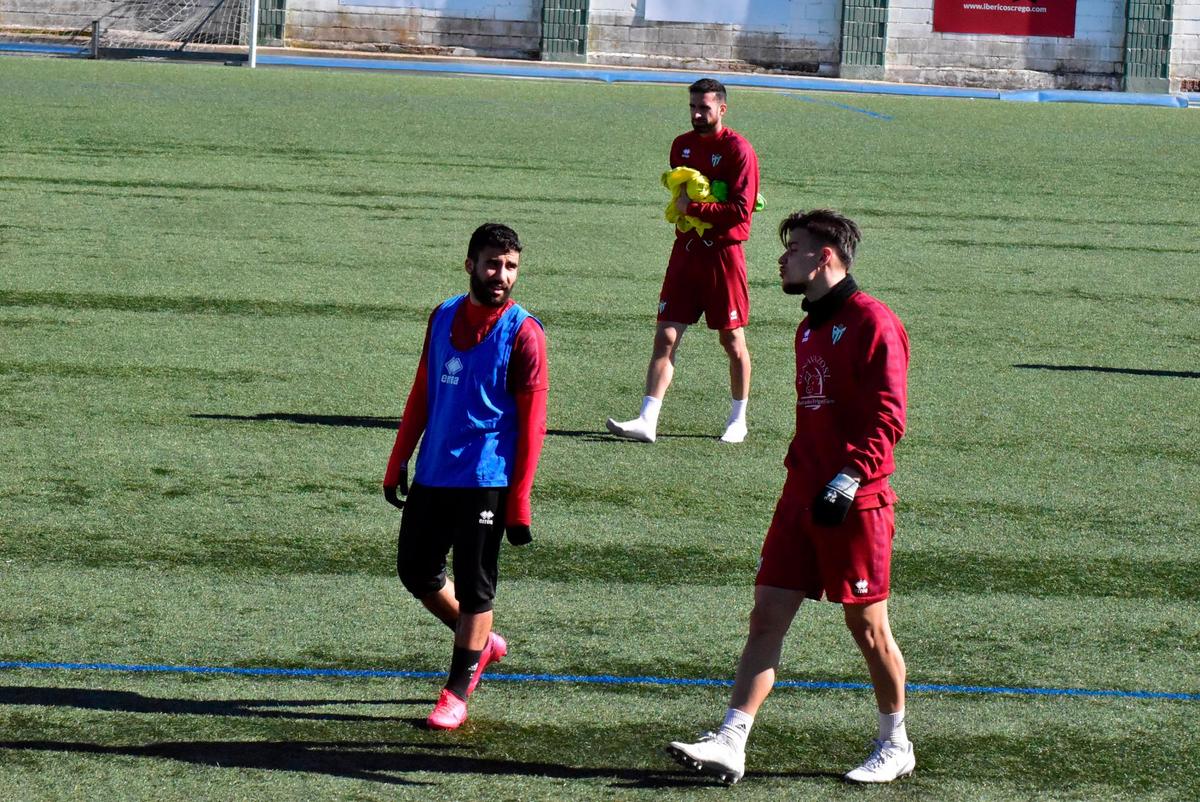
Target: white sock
(737,726)
(650,409)
(737,411)
(891,728)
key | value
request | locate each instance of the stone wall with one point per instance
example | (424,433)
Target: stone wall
(49,16)
(502,29)
(796,36)
(1185,47)
(1091,60)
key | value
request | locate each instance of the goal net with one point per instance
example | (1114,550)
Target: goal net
(175,28)
(218,29)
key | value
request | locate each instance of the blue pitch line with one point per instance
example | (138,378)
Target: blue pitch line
(615,75)
(63,50)
(1084,96)
(588,679)
(619,75)
(877,115)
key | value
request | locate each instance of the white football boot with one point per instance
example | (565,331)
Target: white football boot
(735,431)
(636,429)
(887,762)
(714,754)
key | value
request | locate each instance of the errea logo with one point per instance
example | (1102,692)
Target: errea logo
(861,588)
(486,517)
(452,368)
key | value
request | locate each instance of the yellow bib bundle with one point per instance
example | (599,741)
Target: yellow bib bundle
(685,179)
(698,188)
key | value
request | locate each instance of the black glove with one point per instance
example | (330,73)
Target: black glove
(518,535)
(390,492)
(833,503)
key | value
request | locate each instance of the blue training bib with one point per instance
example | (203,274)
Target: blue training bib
(471,432)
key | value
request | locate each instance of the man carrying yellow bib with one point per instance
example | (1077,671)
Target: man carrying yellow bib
(706,274)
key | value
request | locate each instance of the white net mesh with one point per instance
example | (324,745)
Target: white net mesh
(175,25)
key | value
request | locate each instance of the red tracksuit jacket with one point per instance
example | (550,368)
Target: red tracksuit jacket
(851,390)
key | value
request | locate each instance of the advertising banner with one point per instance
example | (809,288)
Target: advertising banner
(1011,17)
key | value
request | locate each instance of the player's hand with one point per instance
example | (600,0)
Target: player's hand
(833,503)
(681,203)
(389,493)
(518,534)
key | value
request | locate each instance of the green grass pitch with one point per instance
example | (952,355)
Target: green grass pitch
(213,292)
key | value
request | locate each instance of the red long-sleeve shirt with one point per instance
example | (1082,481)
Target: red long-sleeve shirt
(528,381)
(851,392)
(727,157)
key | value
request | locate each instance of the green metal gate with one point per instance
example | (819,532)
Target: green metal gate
(564,30)
(1148,46)
(270,21)
(864,39)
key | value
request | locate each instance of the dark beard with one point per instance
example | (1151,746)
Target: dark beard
(703,128)
(794,288)
(481,292)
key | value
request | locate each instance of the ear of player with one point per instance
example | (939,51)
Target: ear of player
(832,504)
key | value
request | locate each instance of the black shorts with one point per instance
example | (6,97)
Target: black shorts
(469,521)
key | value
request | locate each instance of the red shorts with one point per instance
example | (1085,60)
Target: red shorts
(848,564)
(707,280)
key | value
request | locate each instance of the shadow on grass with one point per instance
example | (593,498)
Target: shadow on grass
(1170,374)
(130,702)
(375,761)
(361,421)
(374,422)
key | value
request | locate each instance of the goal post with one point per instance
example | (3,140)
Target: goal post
(252,36)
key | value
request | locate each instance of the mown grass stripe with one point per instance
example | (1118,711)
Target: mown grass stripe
(67,370)
(1048,576)
(260,307)
(249,307)
(591,679)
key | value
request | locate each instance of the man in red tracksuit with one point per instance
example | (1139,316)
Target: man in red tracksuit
(832,532)
(706,275)
(478,407)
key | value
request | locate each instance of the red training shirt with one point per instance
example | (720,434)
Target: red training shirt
(528,381)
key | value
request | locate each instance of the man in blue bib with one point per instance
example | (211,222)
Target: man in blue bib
(478,408)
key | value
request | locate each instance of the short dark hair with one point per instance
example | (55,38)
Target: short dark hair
(706,85)
(827,227)
(493,235)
